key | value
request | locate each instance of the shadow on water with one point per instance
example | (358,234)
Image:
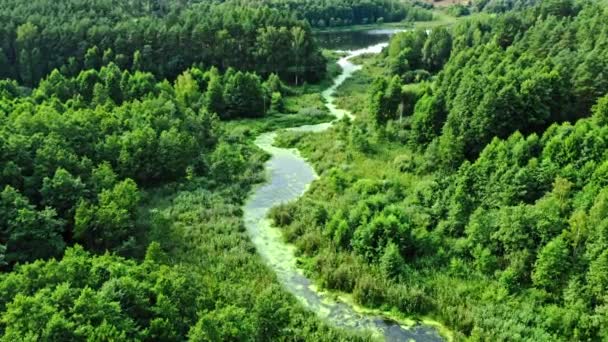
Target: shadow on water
(353,40)
(288,177)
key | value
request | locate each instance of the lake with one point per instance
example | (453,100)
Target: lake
(353,40)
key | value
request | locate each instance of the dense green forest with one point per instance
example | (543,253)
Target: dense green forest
(472,186)
(83,145)
(500,6)
(77,35)
(114,162)
(470,189)
(121,191)
(332,13)
(166,37)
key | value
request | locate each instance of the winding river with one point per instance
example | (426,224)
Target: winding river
(288,177)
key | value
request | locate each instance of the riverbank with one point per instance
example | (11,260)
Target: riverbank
(288,177)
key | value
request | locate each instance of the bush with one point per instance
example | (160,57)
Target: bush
(282,214)
(409,299)
(369,290)
(404,163)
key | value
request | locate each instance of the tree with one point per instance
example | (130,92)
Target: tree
(5,70)
(243,96)
(393,98)
(214,96)
(274,85)
(186,91)
(138,63)
(405,51)
(103,177)
(299,40)
(92,58)
(111,222)
(552,265)
(370,240)
(27,233)
(29,54)
(100,95)
(108,57)
(86,82)
(600,111)
(55,85)
(437,48)
(560,8)
(112,76)
(226,162)
(391,262)
(270,313)
(273,48)
(597,276)
(385,99)
(176,151)
(427,120)
(377,106)
(62,192)
(229,323)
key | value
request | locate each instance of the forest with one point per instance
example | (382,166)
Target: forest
(471,188)
(103,176)
(124,167)
(77,35)
(334,13)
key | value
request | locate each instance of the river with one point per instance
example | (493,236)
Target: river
(288,177)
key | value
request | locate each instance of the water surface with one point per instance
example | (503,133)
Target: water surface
(352,40)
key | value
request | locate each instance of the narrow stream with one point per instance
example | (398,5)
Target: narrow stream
(289,175)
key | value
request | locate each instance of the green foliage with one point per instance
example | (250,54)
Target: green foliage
(488,203)
(391,262)
(187,92)
(115,174)
(427,120)
(478,198)
(342,13)
(477,83)
(371,239)
(214,97)
(71,148)
(109,223)
(458,10)
(600,111)
(437,48)
(552,266)
(28,234)
(243,96)
(385,100)
(161,38)
(368,291)
(276,102)
(62,192)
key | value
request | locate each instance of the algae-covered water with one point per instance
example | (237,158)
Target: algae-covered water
(288,177)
